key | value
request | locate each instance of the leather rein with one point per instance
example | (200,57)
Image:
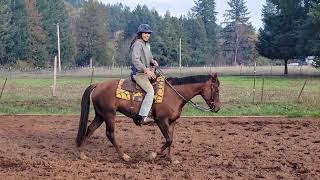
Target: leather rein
(193,104)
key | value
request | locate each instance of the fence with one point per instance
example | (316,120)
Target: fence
(32,91)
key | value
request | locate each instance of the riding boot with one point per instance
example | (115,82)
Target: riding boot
(137,119)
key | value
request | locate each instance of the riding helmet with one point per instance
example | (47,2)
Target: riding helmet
(144,28)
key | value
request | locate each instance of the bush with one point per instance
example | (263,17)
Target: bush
(23,65)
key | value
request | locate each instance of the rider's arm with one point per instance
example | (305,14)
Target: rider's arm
(135,57)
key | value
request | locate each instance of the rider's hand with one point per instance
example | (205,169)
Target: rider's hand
(149,73)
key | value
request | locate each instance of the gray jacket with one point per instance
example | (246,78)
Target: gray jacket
(141,56)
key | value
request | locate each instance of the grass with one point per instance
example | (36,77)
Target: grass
(32,94)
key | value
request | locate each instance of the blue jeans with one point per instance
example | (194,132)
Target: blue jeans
(143,81)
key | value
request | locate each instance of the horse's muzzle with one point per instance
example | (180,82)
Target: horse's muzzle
(215,107)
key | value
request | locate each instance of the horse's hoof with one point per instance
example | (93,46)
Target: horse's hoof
(83,156)
(152,156)
(125,157)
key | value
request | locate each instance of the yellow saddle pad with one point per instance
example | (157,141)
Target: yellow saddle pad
(138,95)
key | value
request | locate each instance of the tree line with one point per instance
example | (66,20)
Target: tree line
(103,32)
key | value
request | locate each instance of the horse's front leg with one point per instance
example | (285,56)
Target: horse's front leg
(171,130)
(110,125)
(164,127)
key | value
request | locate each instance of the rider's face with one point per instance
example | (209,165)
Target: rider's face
(145,36)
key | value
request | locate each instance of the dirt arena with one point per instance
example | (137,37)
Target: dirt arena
(43,147)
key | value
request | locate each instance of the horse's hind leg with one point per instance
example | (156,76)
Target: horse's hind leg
(96,123)
(110,125)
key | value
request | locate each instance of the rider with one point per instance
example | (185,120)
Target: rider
(142,60)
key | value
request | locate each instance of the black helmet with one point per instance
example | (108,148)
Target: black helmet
(144,28)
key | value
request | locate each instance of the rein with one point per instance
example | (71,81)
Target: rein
(195,105)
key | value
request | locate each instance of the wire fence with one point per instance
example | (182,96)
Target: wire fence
(25,90)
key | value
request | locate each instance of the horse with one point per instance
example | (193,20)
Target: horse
(178,91)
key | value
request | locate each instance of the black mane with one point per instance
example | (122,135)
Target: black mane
(188,79)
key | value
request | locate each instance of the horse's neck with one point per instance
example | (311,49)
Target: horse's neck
(189,91)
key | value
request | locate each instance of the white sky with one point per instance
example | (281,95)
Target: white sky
(181,7)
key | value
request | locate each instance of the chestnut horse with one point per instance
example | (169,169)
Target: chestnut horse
(178,91)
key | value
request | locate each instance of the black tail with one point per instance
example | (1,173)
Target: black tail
(85,105)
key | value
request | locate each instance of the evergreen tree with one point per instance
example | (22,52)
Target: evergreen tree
(265,44)
(166,48)
(54,12)
(205,9)
(279,39)
(20,47)
(38,35)
(92,34)
(5,28)
(312,35)
(76,2)
(197,40)
(239,42)
(118,16)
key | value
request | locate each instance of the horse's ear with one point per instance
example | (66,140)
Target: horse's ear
(214,77)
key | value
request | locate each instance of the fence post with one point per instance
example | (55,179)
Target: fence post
(54,77)
(262,88)
(5,82)
(121,71)
(305,82)
(92,75)
(254,82)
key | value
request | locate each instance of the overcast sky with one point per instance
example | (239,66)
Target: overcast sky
(181,7)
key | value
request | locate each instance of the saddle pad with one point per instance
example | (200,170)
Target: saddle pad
(137,95)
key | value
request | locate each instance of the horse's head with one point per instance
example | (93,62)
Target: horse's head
(210,93)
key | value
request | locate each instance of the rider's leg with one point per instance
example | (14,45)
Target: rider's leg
(143,81)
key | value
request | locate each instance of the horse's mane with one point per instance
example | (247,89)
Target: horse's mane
(188,79)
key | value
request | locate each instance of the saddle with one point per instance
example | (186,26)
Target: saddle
(131,91)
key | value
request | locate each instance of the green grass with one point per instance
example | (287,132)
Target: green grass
(33,95)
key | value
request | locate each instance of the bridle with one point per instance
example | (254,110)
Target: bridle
(211,103)
(195,105)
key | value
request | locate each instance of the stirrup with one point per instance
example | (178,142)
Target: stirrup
(146,120)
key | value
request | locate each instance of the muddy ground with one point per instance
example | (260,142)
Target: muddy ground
(43,147)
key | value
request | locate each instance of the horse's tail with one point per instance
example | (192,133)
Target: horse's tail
(85,105)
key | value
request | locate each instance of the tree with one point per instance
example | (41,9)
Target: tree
(265,45)
(19,46)
(166,43)
(38,35)
(92,34)
(76,2)
(205,9)
(278,40)
(238,34)
(5,28)
(196,39)
(313,34)
(118,16)
(54,12)
(309,31)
